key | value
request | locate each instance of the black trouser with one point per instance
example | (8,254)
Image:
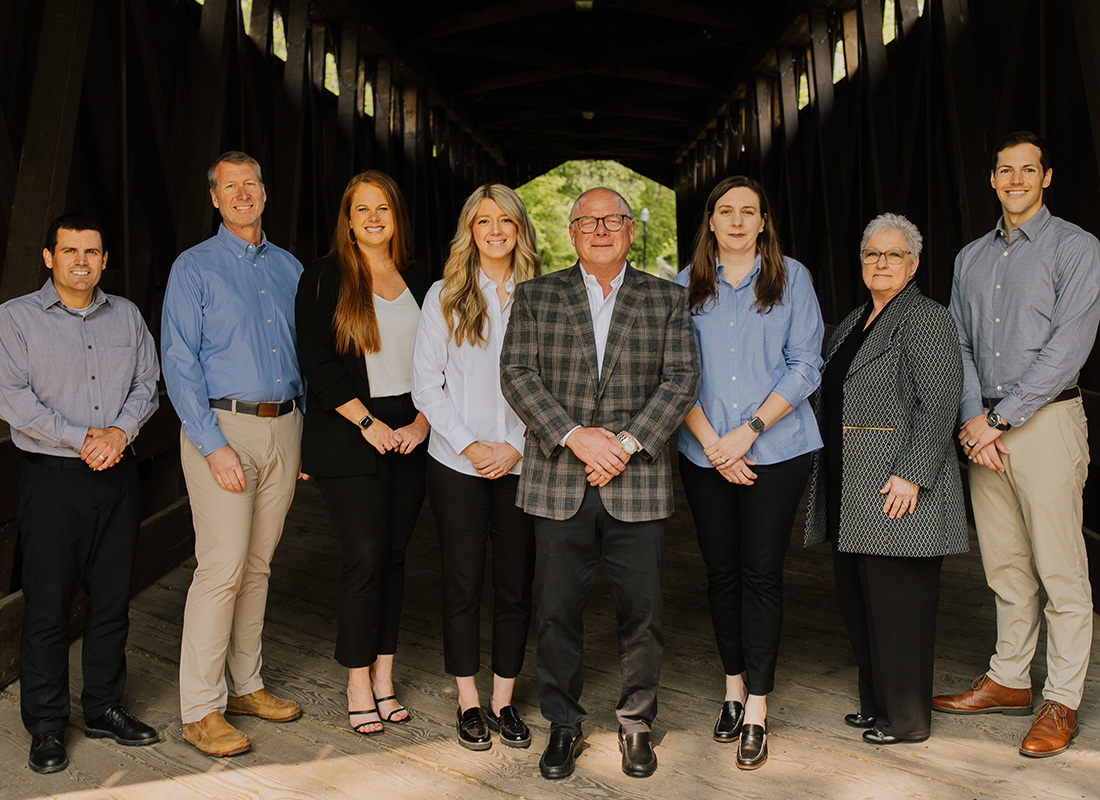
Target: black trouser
(567,556)
(743,534)
(75,525)
(889,606)
(374,516)
(469,510)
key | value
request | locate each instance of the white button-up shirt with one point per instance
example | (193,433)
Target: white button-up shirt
(458,387)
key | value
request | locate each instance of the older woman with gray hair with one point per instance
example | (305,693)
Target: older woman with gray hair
(885,490)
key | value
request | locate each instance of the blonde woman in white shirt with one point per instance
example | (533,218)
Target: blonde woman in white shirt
(474,455)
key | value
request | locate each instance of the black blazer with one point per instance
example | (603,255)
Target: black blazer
(331,448)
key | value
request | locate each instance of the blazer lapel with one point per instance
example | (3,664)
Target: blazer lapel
(879,339)
(575,299)
(627,304)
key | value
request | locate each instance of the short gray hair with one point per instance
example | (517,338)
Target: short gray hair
(622,201)
(893,222)
(232,157)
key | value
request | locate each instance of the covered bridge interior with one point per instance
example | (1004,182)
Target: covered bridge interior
(844,108)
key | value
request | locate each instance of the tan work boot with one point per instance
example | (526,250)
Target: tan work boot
(263,704)
(214,736)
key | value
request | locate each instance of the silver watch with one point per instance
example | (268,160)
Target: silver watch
(630,447)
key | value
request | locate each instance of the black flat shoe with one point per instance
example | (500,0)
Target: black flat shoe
(859,721)
(752,750)
(513,731)
(117,723)
(728,727)
(560,756)
(879,736)
(639,760)
(473,732)
(48,752)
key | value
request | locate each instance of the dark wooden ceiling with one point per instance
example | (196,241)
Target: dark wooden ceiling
(543,81)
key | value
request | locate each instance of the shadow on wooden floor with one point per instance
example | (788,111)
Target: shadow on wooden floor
(812,753)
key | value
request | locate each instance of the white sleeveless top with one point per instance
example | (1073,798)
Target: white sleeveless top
(390,369)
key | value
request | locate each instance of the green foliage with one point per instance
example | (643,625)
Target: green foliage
(549,198)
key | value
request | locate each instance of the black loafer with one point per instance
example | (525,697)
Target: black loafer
(513,731)
(859,721)
(48,752)
(560,756)
(118,724)
(752,750)
(728,727)
(473,732)
(639,760)
(879,736)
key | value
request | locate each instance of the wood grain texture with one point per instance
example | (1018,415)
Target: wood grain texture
(812,753)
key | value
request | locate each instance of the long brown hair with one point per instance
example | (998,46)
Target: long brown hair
(461,300)
(703,279)
(354,322)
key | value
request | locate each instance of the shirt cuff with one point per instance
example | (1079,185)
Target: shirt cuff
(565,438)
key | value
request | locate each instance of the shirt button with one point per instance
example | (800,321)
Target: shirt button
(262,291)
(997,354)
(732,350)
(998,388)
(731,324)
(998,319)
(93,377)
(269,322)
(272,349)
(89,347)
(735,405)
(998,286)
(278,380)
(733,378)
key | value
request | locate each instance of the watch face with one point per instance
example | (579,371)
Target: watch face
(628,444)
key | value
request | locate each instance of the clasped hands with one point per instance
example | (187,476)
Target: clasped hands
(982,443)
(727,454)
(492,459)
(602,454)
(102,448)
(383,438)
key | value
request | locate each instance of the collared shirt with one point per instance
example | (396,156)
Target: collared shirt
(602,308)
(458,387)
(227,330)
(1026,308)
(746,356)
(63,371)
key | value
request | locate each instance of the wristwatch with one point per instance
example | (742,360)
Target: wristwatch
(756,424)
(995,420)
(365,422)
(630,447)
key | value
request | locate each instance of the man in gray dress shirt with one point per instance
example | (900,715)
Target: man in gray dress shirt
(78,379)
(1026,300)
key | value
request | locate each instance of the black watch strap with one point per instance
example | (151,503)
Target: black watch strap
(365,422)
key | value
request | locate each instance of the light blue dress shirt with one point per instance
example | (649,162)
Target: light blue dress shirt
(746,356)
(227,331)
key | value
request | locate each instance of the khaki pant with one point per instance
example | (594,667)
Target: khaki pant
(235,538)
(1029,529)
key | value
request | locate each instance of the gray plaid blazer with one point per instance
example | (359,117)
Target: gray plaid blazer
(901,404)
(650,380)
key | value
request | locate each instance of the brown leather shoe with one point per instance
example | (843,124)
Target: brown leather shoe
(1051,732)
(985,696)
(214,736)
(263,704)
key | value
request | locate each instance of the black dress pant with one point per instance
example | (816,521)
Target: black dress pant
(469,510)
(81,527)
(743,534)
(374,516)
(889,605)
(567,556)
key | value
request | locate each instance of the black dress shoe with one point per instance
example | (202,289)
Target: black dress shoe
(639,760)
(560,756)
(117,723)
(752,750)
(728,727)
(48,752)
(473,732)
(879,736)
(859,721)
(513,730)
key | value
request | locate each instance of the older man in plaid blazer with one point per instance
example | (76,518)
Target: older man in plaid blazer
(601,364)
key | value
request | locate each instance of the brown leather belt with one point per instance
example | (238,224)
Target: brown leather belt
(1065,394)
(255,409)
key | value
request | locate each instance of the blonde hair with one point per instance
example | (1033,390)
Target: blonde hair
(461,300)
(354,323)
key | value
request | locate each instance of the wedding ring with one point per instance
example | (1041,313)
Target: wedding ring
(101,458)
(492,474)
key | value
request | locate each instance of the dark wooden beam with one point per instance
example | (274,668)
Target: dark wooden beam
(42,183)
(285,185)
(1086,18)
(259,27)
(495,15)
(349,106)
(686,12)
(383,114)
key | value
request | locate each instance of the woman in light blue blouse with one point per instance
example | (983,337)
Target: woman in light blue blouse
(745,447)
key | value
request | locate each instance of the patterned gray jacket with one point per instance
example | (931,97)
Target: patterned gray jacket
(901,403)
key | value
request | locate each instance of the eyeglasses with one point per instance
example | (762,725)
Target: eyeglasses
(612,222)
(893,257)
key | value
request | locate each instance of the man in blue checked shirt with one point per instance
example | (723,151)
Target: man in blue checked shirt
(231,366)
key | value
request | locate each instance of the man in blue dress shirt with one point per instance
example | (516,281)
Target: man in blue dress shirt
(78,379)
(231,367)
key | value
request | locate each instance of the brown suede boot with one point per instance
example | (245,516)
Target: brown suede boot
(214,736)
(263,704)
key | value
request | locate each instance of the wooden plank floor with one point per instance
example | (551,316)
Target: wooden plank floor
(813,754)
